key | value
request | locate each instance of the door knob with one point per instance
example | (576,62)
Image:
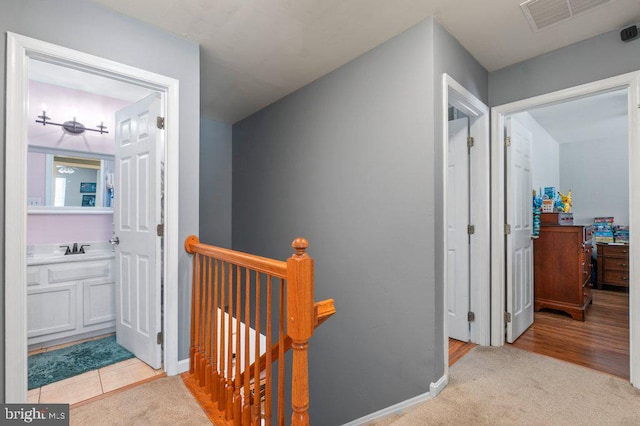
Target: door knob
(115,241)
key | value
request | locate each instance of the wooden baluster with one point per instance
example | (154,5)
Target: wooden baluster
(281,337)
(198,310)
(256,362)
(268,388)
(229,388)
(237,400)
(222,400)
(214,355)
(192,349)
(300,326)
(203,359)
(207,344)
(246,407)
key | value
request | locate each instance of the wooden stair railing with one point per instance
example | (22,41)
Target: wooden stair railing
(323,311)
(239,330)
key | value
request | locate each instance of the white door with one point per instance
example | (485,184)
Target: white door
(136,216)
(457,236)
(519,243)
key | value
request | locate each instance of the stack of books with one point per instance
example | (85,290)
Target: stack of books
(621,234)
(603,229)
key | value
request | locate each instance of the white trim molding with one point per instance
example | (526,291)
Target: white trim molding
(20,50)
(435,389)
(631,81)
(453,93)
(183,366)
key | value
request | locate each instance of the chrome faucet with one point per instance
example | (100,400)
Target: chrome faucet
(74,249)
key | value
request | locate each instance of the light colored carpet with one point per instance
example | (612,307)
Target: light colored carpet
(509,386)
(164,401)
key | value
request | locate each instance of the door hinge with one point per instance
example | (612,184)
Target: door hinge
(470,141)
(160,122)
(471,229)
(507,229)
(507,317)
(507,141)
(471,316)
(160,230)
(160,338)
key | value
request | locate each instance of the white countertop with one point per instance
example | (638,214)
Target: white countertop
(52,253)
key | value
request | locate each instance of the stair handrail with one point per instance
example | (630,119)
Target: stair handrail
(302,317)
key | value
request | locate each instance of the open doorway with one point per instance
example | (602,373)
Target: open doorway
(579,147)
(466,220)
(74,287)
(512,287)
(20,52)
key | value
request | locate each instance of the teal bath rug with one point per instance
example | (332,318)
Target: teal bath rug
(60,364)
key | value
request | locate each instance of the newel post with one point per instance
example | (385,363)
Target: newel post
(300,326)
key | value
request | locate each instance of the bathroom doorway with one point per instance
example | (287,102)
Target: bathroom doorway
(72,277)
(20,51)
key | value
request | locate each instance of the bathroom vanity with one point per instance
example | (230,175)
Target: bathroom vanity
(69,297)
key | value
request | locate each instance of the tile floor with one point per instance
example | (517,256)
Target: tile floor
(93,383)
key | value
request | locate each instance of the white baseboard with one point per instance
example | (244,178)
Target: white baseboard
(183,365)
(437,387)
(434,390)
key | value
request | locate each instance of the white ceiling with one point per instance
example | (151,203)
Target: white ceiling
(597,118)
(82,80)
(254,52)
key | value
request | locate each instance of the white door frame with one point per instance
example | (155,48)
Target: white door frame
(498,114)
(455,94)
(19,50)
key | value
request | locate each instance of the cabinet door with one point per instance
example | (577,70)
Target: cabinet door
(99,302)
(51,309)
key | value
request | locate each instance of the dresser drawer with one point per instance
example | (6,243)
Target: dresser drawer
(614,251)
(617,278)
(588,234)
(616,264)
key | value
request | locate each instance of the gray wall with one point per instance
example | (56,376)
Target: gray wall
(101,32)
(349,162)
(215,183)
(597,173)
(590,60)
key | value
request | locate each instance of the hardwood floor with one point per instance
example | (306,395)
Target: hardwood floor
(458,349)
(600,342)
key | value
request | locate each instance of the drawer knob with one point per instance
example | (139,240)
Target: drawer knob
(622,264)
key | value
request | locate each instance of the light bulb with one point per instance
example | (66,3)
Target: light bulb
(43,107)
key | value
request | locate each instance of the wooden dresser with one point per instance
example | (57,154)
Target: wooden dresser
(613,265)
(562,268)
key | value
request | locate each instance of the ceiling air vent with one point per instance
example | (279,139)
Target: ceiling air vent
(544,13)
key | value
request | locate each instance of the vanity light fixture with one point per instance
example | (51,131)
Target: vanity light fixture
(72,126)
(64,170)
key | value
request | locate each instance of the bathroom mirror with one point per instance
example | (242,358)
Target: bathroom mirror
(69,181)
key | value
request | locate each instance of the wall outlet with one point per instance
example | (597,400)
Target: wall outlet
(34,201)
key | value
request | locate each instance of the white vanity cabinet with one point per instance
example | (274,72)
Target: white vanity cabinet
(70,300)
